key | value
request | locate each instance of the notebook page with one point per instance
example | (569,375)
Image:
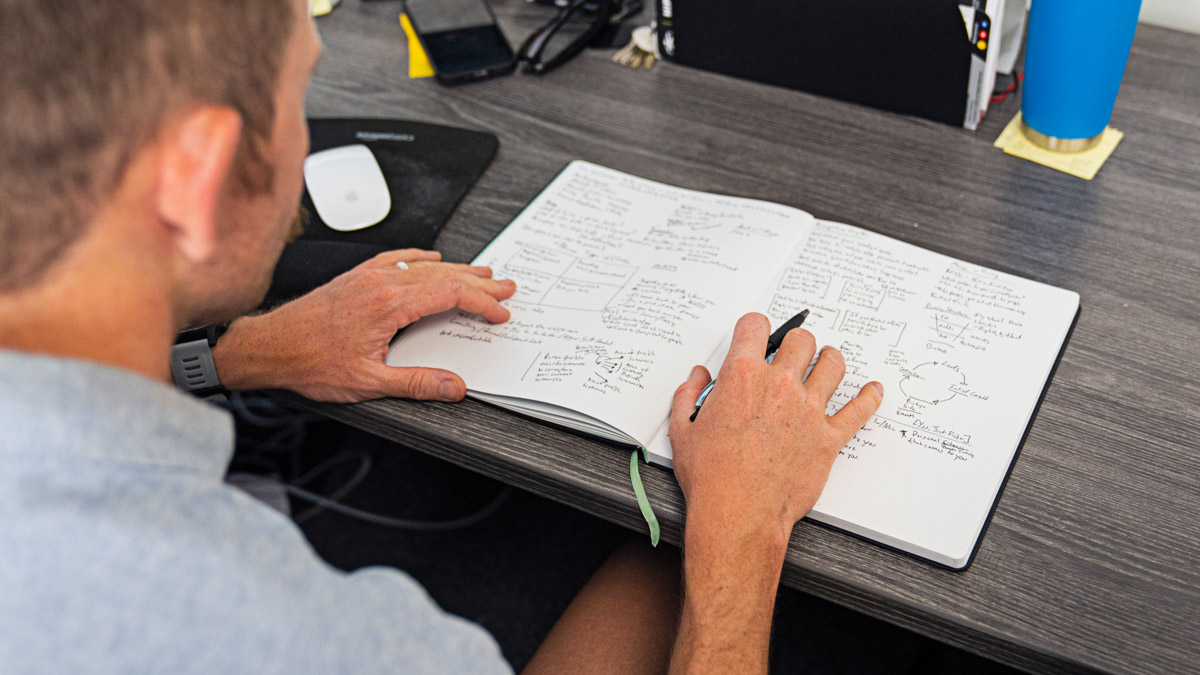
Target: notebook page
(963,353)
(622,285)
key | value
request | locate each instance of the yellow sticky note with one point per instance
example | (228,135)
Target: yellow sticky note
(321,7)
(1084,164)
(418,60)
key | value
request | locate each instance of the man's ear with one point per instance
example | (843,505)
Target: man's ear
(196,157)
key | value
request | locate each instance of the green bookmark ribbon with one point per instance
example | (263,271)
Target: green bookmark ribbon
(640,491)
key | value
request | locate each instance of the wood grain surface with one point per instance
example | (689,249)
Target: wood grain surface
(1092,559)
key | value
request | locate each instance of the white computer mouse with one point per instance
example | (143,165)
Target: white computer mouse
(347,187)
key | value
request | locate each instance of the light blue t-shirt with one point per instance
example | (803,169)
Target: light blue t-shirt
(122,551)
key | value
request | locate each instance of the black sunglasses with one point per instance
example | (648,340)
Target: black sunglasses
(577,24)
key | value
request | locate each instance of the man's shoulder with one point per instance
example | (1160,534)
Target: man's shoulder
(175,569)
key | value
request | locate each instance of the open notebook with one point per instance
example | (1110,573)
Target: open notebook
(623,284)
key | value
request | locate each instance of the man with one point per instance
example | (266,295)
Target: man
(149,172)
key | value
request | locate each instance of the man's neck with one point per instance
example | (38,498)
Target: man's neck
(97,305)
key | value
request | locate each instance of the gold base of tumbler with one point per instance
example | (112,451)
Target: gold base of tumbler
(1059,144)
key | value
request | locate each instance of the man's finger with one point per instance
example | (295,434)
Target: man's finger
(749,339)
(501,289)
(685,396)
(426,384)
(405,255)
(854,414)
(826,375)
(439,296)
(423,270)
(796,352)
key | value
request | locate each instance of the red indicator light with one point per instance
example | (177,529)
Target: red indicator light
(983,35)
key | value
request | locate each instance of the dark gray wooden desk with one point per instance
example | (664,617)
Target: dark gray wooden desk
(1092,560)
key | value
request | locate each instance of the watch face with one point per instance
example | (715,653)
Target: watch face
(193,334)
(208,333)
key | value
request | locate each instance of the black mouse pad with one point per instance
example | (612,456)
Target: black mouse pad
(429,168)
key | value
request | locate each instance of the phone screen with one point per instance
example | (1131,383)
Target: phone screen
(459,35)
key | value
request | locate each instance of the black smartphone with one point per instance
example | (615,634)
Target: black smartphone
(461,38)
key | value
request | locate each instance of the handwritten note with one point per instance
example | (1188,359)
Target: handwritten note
(962,352)
(622,285)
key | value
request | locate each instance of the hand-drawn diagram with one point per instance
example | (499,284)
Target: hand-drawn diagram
(925,388)
(933,382)
(974,309)
(848,322)
(947,326)
(603,369)
(861,294)
(555,279)
(784,307)
(862,325)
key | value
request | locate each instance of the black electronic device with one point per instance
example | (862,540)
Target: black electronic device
(931,58)
(462,39)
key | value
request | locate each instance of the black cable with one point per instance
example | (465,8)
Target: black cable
(243,405)
(364,467)
(290,431)
(404,523)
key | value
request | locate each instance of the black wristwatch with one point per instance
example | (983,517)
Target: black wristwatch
(192,365)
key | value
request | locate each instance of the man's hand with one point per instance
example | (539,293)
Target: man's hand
(330,344)
(751,465)
(762,446)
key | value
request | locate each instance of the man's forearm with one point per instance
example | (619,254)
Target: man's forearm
(730,580)
(246,358)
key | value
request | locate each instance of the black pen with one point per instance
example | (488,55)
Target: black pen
(773,343)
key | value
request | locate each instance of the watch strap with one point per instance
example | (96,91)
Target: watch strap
(192,365)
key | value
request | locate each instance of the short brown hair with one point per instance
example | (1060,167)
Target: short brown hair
(84,84)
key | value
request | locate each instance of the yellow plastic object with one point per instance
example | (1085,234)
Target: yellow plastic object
(1084,164)
(321,7)
(418,60)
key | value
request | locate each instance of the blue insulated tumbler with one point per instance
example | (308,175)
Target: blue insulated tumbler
(1074,61)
